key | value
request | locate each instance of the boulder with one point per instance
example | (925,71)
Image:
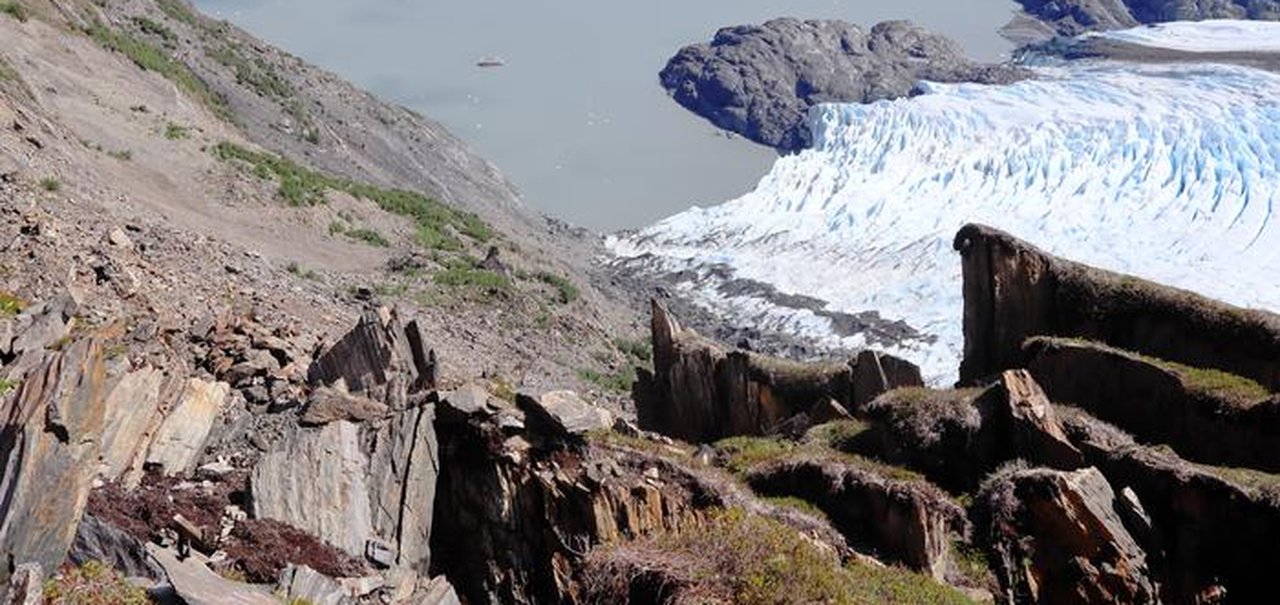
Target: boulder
(50,432)
(761,80)
(403,468)
(1059,540)
(875,374)
(317,480)
(562,414)
(301,583)
(327,404)
(180,440)
(1214,529)
(97,540)
(1034,430)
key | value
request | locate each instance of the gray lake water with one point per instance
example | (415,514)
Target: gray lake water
(576,118)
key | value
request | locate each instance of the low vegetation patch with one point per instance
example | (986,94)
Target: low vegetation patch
(178,11)
(153,59)
(740,455)
(566,292)
(1265,484)
(612,381)
(92,584)
(15,10)
(51,184)
(175,132)
(10,304)
(438,225)
(368,236)
(472,277)
(8,386)
(750,560)
(254,73)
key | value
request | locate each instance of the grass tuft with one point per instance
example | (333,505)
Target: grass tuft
(566,292)
(51,184)
(15,10)
(93,584)
(10,304)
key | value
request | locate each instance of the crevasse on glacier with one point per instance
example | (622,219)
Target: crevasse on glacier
(1170,172)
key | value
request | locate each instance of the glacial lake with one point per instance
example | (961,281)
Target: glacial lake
(576,117)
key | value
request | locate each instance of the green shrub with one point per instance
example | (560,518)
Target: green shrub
(566,292)
(173,132)
(256,74)
(618,381)
(638,349)
(6,386)
(368,236)
(10,304)
(149,27)
(124,155)
(92,584)
(15,10)
(51,184)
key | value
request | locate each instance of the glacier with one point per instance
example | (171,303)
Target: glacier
(1170,172)
(1211,36)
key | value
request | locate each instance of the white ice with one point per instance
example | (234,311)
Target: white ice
(1168,172)
(1222,35)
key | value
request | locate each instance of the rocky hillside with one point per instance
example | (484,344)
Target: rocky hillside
(252,354)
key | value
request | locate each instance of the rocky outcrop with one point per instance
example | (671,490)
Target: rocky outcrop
(701,392)
(1013,291)
(958,437)
(563,415)
(1074,17)
(760,81)
(1059,539)
(513,519)
(901,520)
(367,486)
(50,432)
(316,480)
(1209,533)
(1207,416)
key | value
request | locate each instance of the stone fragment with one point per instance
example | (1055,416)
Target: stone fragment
(328,404)
(26,585)
(196,584)
(564,413)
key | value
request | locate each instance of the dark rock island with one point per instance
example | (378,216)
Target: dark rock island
(760,80)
